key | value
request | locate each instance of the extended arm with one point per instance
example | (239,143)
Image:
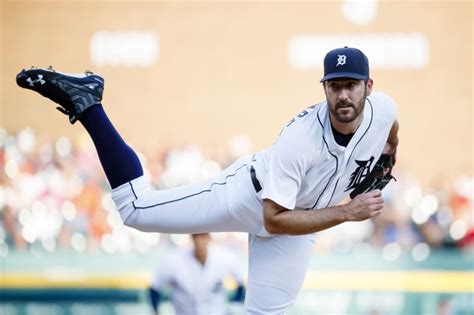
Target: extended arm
(155,298)
(392,141)
(239,295)
(279,220)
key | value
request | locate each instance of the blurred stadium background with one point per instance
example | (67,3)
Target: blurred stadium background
(193,85)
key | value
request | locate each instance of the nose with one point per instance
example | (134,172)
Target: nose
(343,95)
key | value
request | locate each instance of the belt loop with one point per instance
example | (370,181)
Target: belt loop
(255,182)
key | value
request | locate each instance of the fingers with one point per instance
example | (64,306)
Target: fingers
(376,207)
(374,196)
(371,197)
(375,213)
(377,200)
(375,203)
(367,205)
(374,193)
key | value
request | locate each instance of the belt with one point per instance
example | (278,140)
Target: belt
(255,182)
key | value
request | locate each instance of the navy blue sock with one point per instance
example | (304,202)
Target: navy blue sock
(120,162)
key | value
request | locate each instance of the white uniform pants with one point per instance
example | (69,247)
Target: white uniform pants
(226,203)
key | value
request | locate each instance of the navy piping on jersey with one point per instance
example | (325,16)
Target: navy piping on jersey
(133,190)
(185,197)
(334,190)
(134,194)
(363,135)
(337,165)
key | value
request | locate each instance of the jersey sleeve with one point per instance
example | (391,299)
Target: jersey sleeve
(287,166)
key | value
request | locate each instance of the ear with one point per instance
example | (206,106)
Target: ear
(368,89)
(324,88)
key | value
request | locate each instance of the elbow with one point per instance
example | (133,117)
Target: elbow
(272,224)
(393,135)
(274,218)
(272,227)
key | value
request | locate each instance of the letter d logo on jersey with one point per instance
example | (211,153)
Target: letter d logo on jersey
(361,171)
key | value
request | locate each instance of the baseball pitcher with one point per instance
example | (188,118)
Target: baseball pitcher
(280,196)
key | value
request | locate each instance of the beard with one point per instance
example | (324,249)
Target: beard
(347,111)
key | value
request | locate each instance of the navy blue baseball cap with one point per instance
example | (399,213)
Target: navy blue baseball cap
(346,63)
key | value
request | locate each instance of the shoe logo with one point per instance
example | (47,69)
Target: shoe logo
(39,80)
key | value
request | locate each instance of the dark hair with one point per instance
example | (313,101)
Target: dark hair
(365,81)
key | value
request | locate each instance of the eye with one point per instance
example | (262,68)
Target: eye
(351,85)
(333,86)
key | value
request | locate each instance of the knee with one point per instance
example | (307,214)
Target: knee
(134,218)
(130,218)
(135,225)
(127,214)
(126,209)
(125,198)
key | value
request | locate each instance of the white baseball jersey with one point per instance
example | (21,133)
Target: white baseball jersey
(305,169)
(197,289)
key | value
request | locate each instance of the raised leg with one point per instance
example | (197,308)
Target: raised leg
(79,97)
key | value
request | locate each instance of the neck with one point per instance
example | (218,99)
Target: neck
(201,256)
(346,127)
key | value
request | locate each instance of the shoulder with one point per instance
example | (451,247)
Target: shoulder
(222,256)
(306,115)
(168,266)
(224,261)
(302,129)
(219,253)
(176,257)
(383,105)
(298,140)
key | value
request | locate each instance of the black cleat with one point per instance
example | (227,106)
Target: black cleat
(75,93)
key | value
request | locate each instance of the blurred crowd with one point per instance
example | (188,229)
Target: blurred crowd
(54,196)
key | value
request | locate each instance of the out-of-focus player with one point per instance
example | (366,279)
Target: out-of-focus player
(195,278)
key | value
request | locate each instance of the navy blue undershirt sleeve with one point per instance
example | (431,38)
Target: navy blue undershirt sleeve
(239,295)
(155,298)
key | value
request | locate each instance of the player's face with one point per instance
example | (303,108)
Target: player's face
(346,98)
